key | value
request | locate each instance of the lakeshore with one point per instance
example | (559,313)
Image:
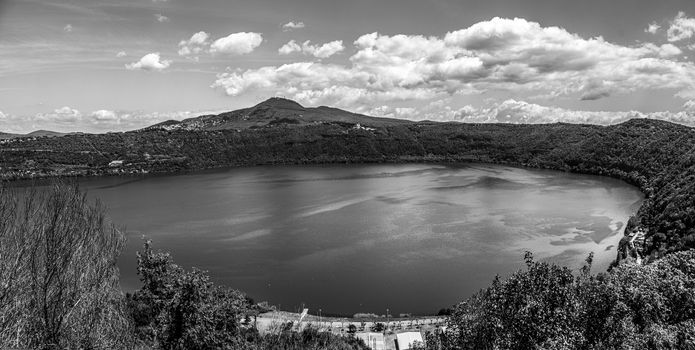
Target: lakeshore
(378,333)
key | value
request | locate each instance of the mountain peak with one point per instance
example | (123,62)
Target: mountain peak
(279,102)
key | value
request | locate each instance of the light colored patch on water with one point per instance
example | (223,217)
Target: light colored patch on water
(572,236)
(220,222)
(333,206)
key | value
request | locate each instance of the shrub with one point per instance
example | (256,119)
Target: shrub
(547,307)
(181,309)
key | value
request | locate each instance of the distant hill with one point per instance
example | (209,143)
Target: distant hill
(37,133)
(275,111)
(4,135)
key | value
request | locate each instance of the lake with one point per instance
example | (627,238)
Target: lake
(412,238)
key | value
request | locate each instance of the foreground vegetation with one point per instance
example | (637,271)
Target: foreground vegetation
(548,307)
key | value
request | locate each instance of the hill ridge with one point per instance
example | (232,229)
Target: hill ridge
(273,112)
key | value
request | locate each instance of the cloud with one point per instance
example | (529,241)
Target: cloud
(237,43)
(194,46)
(60,115)
(67,119)
(689,106)
(121,54)
(289,48)
(504,55)
(104,120)
(292,26)
(680,28)
(67,112)
(323,51)
(386,111)
(668,50)
(104,114)
(161,18)
(521,112)
(149,62)
(653,28)
(67,28)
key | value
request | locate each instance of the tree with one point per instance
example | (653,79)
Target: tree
(59,276)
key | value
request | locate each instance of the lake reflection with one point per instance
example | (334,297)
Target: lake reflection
(347,239)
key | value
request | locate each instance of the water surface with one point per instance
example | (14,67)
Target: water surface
(347,239)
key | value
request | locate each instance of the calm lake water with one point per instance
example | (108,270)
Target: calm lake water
(348,239)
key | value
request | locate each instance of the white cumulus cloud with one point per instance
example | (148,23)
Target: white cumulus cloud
(237,43)
(104,114)
(521,112)
(67,119)
(121,54)
(62,115)
(680,28)
(289,48)
(195,45)
(652,28)
(161,18)
(150,62)
(67,28)
(689,106)
(292,25)
(319,51)
(668,50)
(501,54)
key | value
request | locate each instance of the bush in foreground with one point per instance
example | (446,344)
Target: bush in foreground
(179,309)
(547,307)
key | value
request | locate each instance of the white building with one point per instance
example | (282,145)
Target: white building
(405,340)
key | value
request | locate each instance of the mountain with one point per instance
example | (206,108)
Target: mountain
(276,111)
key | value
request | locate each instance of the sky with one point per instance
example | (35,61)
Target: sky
(116,65)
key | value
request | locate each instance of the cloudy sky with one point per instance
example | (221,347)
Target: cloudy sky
(103,65)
